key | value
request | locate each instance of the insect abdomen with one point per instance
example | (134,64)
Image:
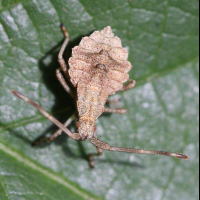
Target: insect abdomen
(98,68)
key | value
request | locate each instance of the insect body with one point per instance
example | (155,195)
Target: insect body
(98,68)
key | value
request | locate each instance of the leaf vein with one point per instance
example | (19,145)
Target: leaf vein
(161,34)
(45,172)
(186,12)
(13,5)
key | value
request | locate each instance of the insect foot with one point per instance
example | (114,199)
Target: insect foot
(98,68)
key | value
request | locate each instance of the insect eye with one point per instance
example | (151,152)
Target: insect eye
(95,128)
(78,123)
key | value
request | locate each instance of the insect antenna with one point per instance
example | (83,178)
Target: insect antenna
(105,146)
(74,136)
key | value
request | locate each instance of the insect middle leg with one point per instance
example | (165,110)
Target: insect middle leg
(115,110)
(99,153)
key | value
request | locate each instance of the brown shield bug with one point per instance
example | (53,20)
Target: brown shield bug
(98,68)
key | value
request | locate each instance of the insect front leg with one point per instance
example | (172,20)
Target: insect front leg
(74,136)
(99,153)
(60,55)
(131,84)
(57,133)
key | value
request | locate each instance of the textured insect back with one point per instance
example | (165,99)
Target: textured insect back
(100,48)
(98,68)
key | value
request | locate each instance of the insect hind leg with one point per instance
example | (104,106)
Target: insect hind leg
(114,110)
(131,84)
(60,55)
(63,82)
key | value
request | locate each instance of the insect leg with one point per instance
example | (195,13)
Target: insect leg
(74,136)
(113,101)
(63,82)
(99,153)
(60,55)
(115,110)
(131,84)
(57,133)
(105,146)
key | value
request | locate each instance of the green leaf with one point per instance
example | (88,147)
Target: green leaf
(162,38)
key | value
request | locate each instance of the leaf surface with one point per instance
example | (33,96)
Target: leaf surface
(162,39)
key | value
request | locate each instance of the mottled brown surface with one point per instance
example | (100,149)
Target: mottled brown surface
(98,68)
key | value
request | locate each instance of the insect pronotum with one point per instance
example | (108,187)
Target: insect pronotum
(98,68)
